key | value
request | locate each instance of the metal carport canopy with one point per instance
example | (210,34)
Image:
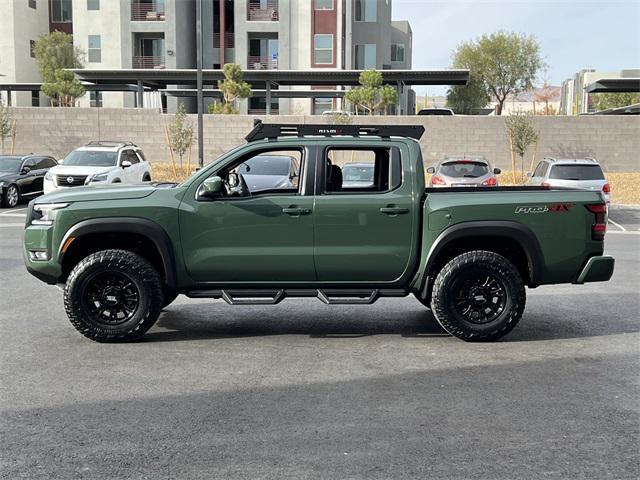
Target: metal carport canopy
(615,85)
(161,78)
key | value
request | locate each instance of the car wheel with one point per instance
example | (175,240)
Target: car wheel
(478,296)
(11,197)
(113,296)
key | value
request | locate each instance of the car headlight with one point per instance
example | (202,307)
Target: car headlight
(98,177)
(48,176)
(45,213)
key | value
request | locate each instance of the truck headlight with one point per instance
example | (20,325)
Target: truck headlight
(44,213)
(98,177)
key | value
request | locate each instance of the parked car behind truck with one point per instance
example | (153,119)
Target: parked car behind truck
(125,252)
(463,171)
(22,177)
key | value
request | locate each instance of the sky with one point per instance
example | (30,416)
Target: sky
(573,34)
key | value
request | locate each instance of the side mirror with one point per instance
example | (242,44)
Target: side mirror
(25,170)
(497,171)
(431,170)
(125,164)
(211,187)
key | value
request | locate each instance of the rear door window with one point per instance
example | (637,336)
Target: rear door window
(362,170)
(576,172)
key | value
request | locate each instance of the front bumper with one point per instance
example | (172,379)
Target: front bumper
(597,269)
(40,238)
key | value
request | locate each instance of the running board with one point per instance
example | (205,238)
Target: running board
(273,297)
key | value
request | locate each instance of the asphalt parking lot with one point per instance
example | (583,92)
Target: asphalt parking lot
(302,390)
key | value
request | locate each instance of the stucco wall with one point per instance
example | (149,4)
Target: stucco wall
(613,140)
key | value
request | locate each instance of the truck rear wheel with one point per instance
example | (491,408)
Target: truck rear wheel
(478,296)
(113,296)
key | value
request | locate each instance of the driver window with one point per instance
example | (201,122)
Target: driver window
(274,171)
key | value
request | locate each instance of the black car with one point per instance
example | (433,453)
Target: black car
(22,176)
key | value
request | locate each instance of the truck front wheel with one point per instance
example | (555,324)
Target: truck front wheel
(478,296)
(113,296)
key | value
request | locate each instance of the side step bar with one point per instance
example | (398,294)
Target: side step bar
(273,297)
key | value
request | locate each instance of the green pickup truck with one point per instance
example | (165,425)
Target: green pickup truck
(274,218)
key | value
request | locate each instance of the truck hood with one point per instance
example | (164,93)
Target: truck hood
(79,170)
(110,191)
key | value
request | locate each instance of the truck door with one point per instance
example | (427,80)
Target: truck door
(363,215)
(266,236)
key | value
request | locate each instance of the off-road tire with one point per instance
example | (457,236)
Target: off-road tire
(11,196)
(129,265)
(475,264)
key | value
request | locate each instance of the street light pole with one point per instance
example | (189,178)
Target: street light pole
(199,81)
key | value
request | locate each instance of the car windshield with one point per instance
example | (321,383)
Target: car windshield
(464,169)
(91,158)
(266,165)
(358,173)
(576,172)
(10,164)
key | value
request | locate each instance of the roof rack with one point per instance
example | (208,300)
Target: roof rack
(273,130)
(110,143)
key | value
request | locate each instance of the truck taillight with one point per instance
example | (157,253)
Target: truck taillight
(606,188)
(436,180)
(490,182)
(599,227)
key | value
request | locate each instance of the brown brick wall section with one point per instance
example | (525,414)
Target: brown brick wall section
(612,140)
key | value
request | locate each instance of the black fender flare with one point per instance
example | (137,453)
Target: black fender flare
(140,226)
(518,232)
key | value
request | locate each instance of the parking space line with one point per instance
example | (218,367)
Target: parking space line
(11,213)
(626,232)
(618,225)
(11,225)
(21,215)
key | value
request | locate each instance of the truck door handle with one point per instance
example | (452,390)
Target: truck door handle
(391,210)
(295,211)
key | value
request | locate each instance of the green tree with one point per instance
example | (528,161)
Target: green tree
(604,101)
(468,99)
(522,135)
(233,88)
(372,95)
(55,52)
(6,124)
(505,64)
(180,132)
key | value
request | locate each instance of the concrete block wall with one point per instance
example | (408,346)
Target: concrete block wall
(612,140)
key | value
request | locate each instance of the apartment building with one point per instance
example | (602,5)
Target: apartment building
(256,34)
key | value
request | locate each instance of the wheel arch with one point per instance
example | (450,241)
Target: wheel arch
(102,233)
(515,241)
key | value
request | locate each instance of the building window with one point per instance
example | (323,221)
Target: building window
(397,52)
(32,4)
(365,56)
(366,10)
(323,49)
(95,99)
(32,48)
(321,105)
(61,11)
(94,53)
(35,98)
(93,4)
(323,4)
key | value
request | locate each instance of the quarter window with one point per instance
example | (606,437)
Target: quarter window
(323,48)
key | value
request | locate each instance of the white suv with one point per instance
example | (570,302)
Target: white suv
(99,163)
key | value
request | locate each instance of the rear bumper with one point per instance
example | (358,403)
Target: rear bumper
(597,269)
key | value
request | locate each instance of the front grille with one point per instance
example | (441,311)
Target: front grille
(70,180)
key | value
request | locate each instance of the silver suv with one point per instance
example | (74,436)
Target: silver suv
(582,173)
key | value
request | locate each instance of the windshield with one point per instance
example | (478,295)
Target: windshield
(10,164)
(91,158)
(266,165)
(358,173)
(464,169)
(576,172)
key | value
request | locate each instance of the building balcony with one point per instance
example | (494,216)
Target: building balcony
(141,61)
(261,63)
(262,11)
(147,11)
(229,40)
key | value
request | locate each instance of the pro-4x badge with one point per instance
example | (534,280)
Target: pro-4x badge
(558,207)
(537,209)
